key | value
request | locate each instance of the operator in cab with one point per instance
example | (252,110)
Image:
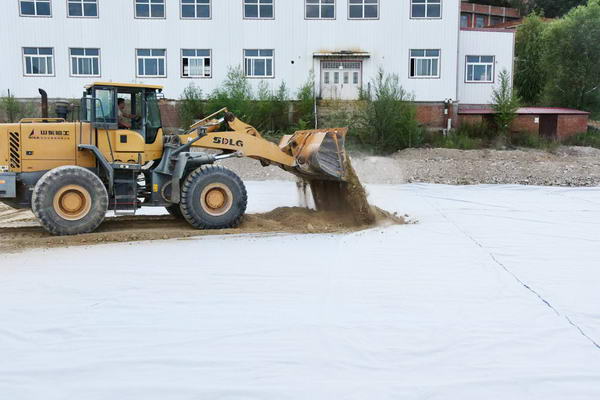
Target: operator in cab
(123,116)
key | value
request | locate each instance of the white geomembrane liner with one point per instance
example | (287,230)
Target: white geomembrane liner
(494,294)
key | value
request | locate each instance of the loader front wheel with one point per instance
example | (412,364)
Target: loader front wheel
(213,197)
(69,200)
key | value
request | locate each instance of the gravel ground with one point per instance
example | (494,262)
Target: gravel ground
(567,166)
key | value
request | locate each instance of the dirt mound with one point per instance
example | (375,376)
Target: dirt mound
(28,234)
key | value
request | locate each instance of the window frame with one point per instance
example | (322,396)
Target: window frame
(137,75)
(320,18)
(439,69)
(181,56)
(82,8)
(257,18)
(426,17)
(164,3)
(272,76)
(363,18)
(99,56)
(210,12)
(36,15)
(25,74)
(493,64)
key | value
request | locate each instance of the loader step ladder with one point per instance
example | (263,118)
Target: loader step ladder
(125,189)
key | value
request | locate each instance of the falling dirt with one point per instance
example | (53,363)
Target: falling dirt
(19,229)
(348,198)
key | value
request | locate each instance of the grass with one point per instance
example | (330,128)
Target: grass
(591,138)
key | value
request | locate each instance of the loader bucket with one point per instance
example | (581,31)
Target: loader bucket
(319,154)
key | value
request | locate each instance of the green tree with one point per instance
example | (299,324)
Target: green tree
(387,121)
(505,103)
(191,106)
(572,58)
(530,73)
(556,8)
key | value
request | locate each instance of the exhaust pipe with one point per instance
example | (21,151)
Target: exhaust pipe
(44,103)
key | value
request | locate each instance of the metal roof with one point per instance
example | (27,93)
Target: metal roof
(127,85)
(526,111)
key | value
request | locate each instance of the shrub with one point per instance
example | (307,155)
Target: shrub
(13,110)
(234,93)
(591,138)
(191,106)
(386,121)
(306,103)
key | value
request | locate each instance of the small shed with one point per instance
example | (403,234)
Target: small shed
(550,122)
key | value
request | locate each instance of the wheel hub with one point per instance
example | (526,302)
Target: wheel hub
(72,202)
(216,199)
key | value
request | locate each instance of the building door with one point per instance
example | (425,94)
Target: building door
(341,80)
(548,126)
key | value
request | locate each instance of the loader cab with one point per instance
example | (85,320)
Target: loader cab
(99,106)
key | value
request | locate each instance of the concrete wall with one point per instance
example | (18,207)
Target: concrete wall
(295,40)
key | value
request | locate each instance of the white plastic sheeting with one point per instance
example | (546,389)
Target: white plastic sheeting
(494,294)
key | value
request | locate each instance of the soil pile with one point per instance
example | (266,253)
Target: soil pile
(19,229)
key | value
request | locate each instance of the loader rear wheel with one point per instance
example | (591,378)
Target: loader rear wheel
(69,200)
(213,197)
(174,210)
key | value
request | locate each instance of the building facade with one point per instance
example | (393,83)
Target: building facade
(62,45)
(481,16)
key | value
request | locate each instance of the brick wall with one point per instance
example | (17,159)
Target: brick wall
(526,123)
(169,115)
(570,125)
(431,115)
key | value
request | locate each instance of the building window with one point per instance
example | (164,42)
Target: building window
(258,63)
(320,9)
(426,9)
(363,9)
(38,61)
(480,21)
(257,9)
(195,9)
(34,8)
(151,63)
(464,21)
(480,69)
(495,20)
(424,63)
(149,8)
(196,63)
(85,62)
(82,8)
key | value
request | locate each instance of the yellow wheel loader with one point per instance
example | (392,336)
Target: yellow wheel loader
(71,173)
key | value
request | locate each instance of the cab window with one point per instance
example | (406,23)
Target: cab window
(153,122)
(105,106)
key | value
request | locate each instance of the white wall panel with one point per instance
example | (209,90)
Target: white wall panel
(499,44)
(117,33)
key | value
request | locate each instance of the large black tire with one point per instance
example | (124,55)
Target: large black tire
(69,200)
(213,197)
(175,211)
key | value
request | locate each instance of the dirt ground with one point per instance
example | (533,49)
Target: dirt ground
(19,229)
(567,166)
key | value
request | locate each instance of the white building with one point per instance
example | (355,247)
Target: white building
(61,45)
